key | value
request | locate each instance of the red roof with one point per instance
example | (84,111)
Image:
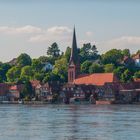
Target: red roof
(35,83)
(13,88)
(137,79)
(96,79)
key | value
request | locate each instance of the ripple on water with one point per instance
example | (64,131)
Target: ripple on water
(70,122)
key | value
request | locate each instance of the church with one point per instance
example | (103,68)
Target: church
(74,76)
(96,87)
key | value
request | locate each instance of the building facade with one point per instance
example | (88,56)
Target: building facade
(96,87)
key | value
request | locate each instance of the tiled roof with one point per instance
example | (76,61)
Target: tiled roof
(96,79)
(35,83)
(13,88)
(137,79)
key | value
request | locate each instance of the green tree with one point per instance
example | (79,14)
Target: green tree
(126,52)
(113,56)
(109,67)
(138,52)
(68,53)
(24,60)
(61,68)
(51,76)
(96,68)
(44,59)
(85,66)
(3,70)
(137,74)
(26,72)
(13,74)
(118,71)
(127,76)
(39,76)
(53,50)
(88,52)
(37,65)
(47,77)
(27,91)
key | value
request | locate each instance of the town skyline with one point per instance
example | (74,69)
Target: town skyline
(106,24)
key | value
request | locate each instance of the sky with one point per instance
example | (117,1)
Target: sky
(31,26)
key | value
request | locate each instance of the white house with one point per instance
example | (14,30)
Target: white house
(136,58)
(47,66)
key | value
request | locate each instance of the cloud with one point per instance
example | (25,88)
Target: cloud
(89,34)
(56,33)
(28,29)
(63,34)
(59,30)
(130,42)
(36,34)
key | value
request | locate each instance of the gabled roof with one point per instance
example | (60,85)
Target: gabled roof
(96,79)
(137,79)
(13,87)
(35,83)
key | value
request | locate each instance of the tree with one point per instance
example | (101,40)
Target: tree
(126,76)
(109,67)
(37,65)
(27,91)
(137,74)
(24,60)
(118,71)
(88,52)
(3,70)
(113,56)
(85,66)
(126,52)
(53,50)
(47,77)
(60,68)
(39,76)
(96,68)
(51,76)
(68,53)
(138,52)
(26,72)
(13,74)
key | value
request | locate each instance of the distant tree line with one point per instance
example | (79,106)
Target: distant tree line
(25,69)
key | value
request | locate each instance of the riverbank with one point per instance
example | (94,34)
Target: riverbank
(76,103)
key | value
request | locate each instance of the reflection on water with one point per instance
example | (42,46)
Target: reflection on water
(64,122)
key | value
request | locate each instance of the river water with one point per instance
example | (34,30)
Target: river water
(70,122)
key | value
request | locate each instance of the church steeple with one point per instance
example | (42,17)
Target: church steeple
(74,51)
(74,66)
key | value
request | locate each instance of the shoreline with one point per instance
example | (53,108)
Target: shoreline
(46,103)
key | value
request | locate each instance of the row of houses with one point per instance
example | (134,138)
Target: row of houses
(10,92)
(103,92)
(42,92)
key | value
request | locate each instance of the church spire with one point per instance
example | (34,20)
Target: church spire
(74,51)
(74,65)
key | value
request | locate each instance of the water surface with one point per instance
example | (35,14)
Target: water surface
(70,122)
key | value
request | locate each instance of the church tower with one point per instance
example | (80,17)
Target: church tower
(74,65)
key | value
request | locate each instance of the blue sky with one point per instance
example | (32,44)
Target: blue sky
(30,26)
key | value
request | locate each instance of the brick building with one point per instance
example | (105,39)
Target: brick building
(98,86)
